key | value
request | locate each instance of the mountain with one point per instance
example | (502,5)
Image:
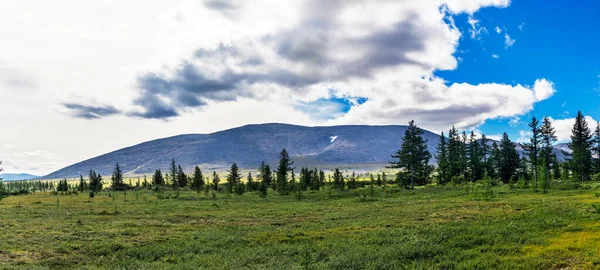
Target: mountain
(349,146)
(251,144)
(17,176)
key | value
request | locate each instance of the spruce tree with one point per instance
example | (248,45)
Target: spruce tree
(216,181)
(443,169)
(117,179)
(173,174)
(548,138)
(233,178)
(182,179)
(266,176)
(338,179)
(475,161)
(157,179)
(250,185)
(454,152)
(82,184)
(413,156)
(197,180)
(509,160)
(533,148)
(596,149)
(580,146)
(285,165)
(494,161)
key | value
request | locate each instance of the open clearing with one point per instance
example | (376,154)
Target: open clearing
(379,228)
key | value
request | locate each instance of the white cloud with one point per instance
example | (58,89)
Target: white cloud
(495,56)
(476,30)
(508,42)
(521,27)
(514,121)
(498,30)
(563,127)
(543,89)
(524,136)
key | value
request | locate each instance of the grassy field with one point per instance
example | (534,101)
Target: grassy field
(429,228)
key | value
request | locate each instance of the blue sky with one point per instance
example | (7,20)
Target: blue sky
(558,41)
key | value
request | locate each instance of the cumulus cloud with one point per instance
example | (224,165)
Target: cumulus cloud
(384,51)
(90,112)
(563,127)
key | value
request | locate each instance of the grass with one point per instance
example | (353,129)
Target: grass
(428,228)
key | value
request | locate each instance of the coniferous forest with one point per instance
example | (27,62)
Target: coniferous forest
(482,204)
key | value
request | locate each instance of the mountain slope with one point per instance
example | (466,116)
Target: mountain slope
(251,144)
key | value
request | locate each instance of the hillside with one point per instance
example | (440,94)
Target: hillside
(251,144)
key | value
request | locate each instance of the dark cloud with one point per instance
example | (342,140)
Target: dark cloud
(90,112)
(309,53)
(226,7)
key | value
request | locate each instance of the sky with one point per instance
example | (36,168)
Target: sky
(82,78)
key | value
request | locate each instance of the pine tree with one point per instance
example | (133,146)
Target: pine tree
(464,156)
(266,175)
(509,160)
(173,174)
(413,156)
(533,147)
(82,184)
(233,178)
(117,178)
(475,161)
(197,180)
(182,179)
(338,179)
(494,161)
(305,178)
(596,148)
(352,181)
(548,138)
(443,168)
(580,145)
(157,179)
(216,181)
(250,185)
(454,152)
(282,172)
(95,181)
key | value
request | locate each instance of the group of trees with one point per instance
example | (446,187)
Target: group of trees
(461,157)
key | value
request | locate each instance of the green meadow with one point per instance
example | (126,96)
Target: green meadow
(464,227)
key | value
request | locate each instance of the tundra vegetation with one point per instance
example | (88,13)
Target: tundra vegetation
(483,206)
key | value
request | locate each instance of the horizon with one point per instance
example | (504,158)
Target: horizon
(83,79)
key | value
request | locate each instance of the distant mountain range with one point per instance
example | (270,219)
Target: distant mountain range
(17,176)
(352,145)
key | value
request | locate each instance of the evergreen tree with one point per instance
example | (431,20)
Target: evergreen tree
(352,181)
(305,178)
(464,156)
(509,160)
(95,181)
(216,181)
(182,179)
(266,176)
(173,174)
(157,179)
(413,156)
(533,148)
(548,138)
(233,178)
(82,184)
(117,179)
(454,152)
(197,180)
(580,146)
(494,161)
(250,185)
(378,180)
(282,172)
(596,148)
(475,159)
(443,169)
(338,179)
